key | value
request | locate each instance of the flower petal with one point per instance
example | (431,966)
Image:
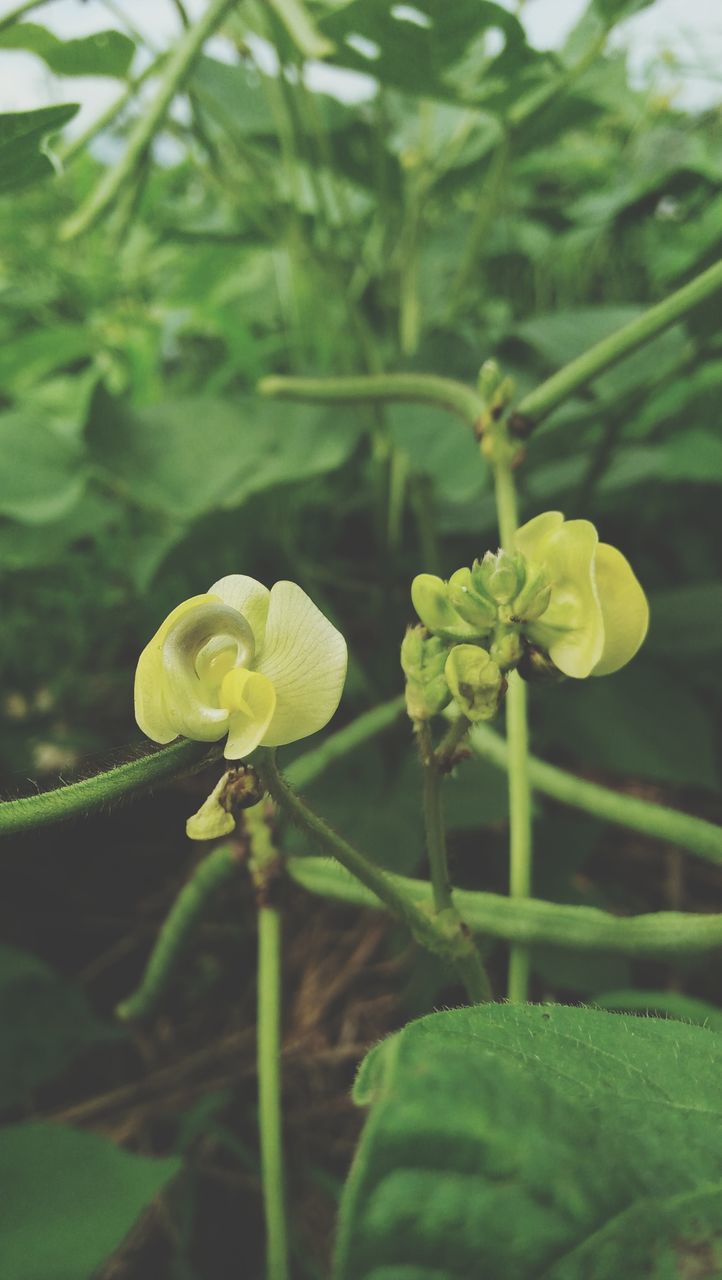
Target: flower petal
(211,821)
(154,718)
(533,535)
(249,597)
(571,629)
(624,609)
(251,700)
(304,657)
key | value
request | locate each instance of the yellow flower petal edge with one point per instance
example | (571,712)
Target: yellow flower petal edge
(624,609)
(156,721)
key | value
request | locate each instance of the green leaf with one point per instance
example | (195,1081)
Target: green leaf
(69,1199)
(104,53)
(41,474)
(695,455)
(46,1023)
(434,49)
(536,1141)
(27,358)
(187,457)
(440,447)
(22,133)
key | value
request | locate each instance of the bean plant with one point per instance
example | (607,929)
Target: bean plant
(508,1134)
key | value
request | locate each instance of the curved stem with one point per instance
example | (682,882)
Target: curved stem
(656,820)
(540,402)
(40,810)
(530,920)
(215,870)
(446,393)
(444,935)
(178,67)
(268,1016)
(434,821)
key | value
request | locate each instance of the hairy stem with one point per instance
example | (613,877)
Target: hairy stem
(177,69)
(655,820)
(446,393)
(103,788)
(527,921)
(434,820)
(540,402)
(268,1015)
(216,870)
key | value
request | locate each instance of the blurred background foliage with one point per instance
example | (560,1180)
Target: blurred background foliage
(485,199)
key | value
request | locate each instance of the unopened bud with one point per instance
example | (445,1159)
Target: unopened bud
(473,608)
(475,681)
(533,598)
(423,658)
(499,576)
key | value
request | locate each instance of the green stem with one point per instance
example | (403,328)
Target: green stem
(469,963)
(434,820)
(68,151)
(520,823)
(214,871)
(178,66)
(531,921)
(92,793)
(540,402)
(268,1016)
(312,763)
(655,820)
(437,934)
(446,393)
(301,28)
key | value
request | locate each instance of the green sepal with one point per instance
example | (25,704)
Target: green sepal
(423,658)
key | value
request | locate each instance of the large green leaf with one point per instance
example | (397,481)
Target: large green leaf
(41,474)
(536,1141)
(69,1199)
(435,49)
(187,457)
(104,53)
(22,160)
(45,1022)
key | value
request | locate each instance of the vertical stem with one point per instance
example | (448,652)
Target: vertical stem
(517,733)
(269,1090)
(434,821)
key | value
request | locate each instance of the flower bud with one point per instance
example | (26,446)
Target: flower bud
(499,576)
(478,610)
(430,598)
(534,597)
(475,681)
(423,658)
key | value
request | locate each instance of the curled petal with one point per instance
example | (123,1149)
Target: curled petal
(249,597)
(304,657)
(186,688)
(211,821)
(155,717)
(251,701)
(624,609)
